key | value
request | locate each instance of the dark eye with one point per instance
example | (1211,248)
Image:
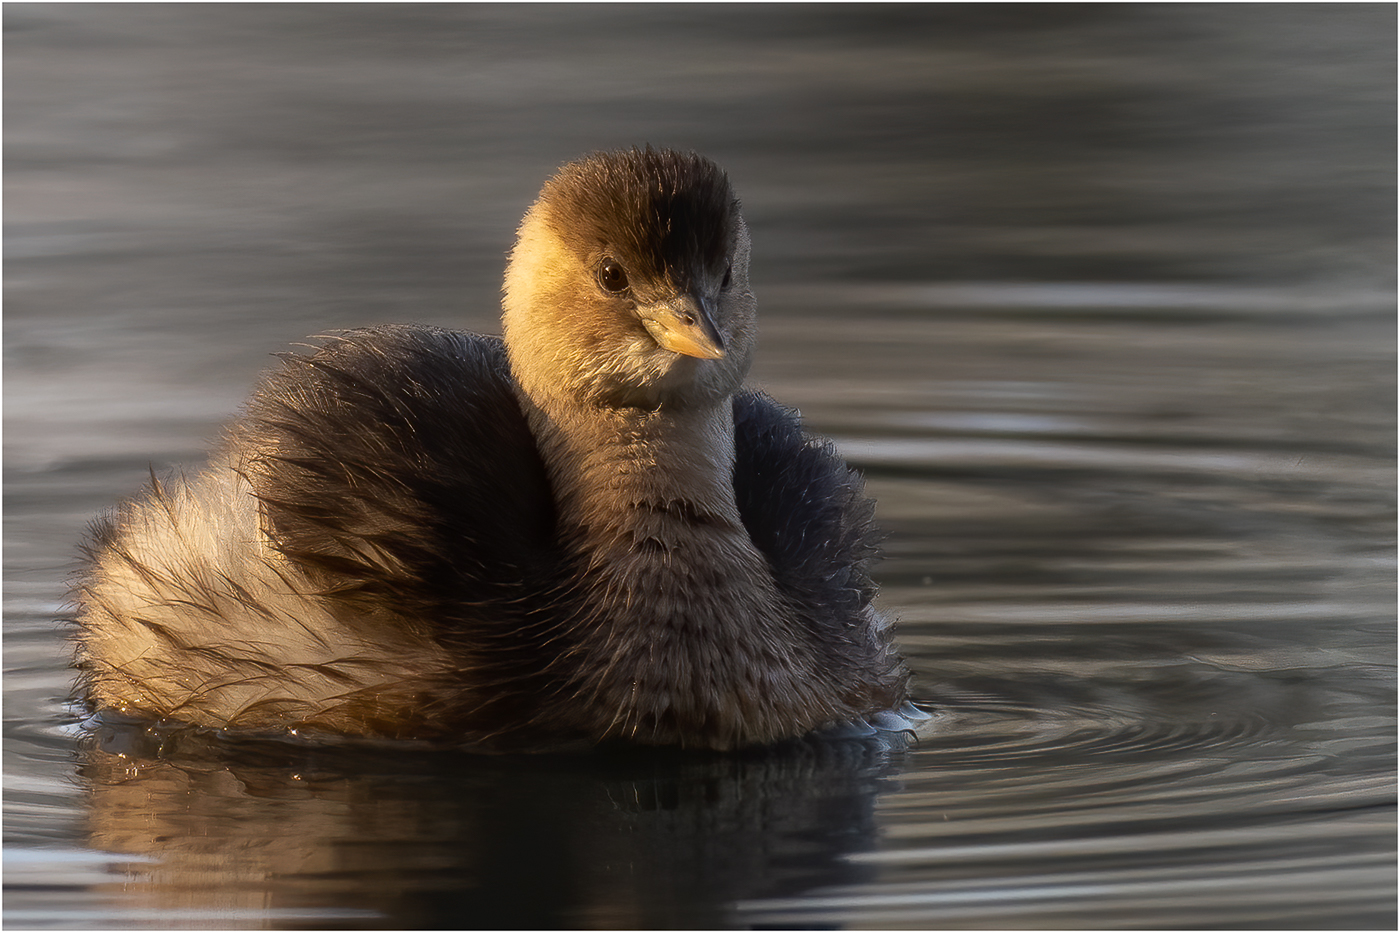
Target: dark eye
(728,275)
(612,276)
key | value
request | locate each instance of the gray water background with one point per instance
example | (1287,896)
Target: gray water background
(1101,298)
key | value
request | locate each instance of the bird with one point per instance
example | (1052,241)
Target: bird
(587,531)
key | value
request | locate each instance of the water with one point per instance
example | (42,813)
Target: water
(1100,298)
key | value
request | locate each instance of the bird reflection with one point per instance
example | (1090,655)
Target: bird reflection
(276,835)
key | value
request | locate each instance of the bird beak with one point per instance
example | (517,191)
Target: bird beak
(686,325)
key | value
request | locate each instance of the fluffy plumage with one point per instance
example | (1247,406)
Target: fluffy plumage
(588,531)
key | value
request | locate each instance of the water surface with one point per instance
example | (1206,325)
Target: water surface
(1101,299)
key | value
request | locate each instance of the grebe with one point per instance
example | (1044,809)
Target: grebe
(587,530)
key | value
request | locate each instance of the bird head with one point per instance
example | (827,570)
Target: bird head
(628,285)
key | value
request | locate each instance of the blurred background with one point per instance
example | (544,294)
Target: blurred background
(1100,297)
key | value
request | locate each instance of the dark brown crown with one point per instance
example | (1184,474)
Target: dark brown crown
(670,212)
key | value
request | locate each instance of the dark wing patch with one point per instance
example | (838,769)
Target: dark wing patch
(804,508)
(394,463)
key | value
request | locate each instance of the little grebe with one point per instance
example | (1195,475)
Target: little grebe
(587,530)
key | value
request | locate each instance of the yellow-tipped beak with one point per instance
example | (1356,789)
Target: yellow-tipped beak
(684,325)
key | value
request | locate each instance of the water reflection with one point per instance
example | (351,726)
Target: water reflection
(270,835)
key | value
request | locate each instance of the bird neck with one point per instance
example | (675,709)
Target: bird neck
(624,472)
(678,613)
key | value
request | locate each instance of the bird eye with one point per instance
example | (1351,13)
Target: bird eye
(612,276)
(728,275)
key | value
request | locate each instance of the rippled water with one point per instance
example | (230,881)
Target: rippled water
(1100,298)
